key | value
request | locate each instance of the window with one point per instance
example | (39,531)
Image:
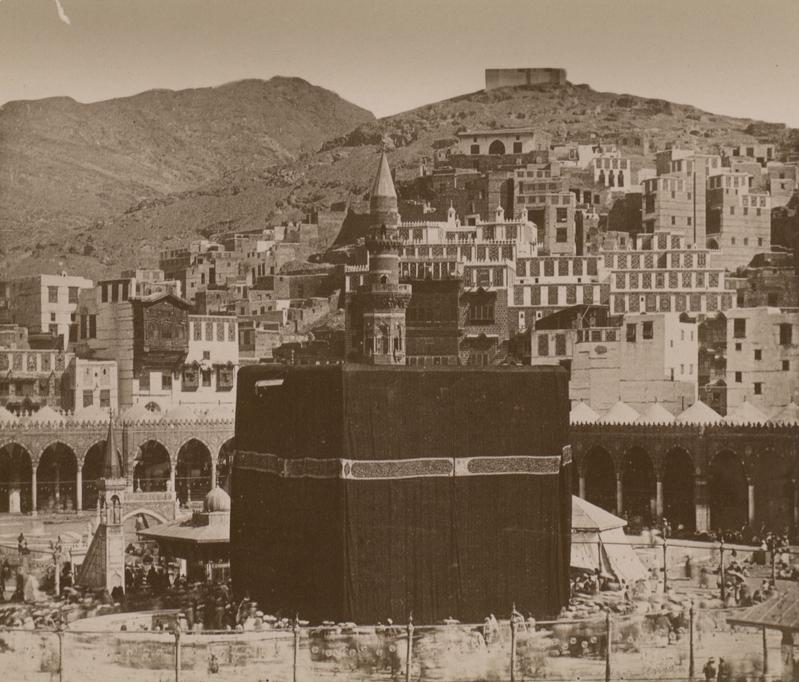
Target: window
(53,328)
(88,398)
(673,220)
(758,388)
(206,377)
(206,355)
(732,210)
(52,317)
(738,346)
(561,214)
(739,329)
(105,397)
(517,147)
(758,354)
(543,345)
(52,294)
(104,293)
(166,380)
(561,235)
(92,326)
(786,334)
(144,380)
(474,149)
(73,294)
(647,332)
(738,377)
(631,333)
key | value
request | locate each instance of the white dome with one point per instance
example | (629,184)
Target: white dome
(699,413)
(179,413)
(746,413)
(620,413)
(789,415)
(139,412)
(46,414)
(655,414)
(6,416)
(582,414)
(217,501)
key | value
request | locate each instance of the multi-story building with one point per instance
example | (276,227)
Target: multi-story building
(164,355)
(545,284)
(712,362)
(31,379)
(503,141)
(44,303)
(662,273)
(89,385)
(434,321)
(648,358)
(782,180)
(676,198)
(762,153)
(545,196)
(610,170)
(738,220)
(763,358)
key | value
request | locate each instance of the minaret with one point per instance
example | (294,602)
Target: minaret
(104,566)
(383,299)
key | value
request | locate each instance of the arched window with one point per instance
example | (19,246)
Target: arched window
(496,147)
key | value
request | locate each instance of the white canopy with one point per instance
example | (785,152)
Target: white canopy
(598,541)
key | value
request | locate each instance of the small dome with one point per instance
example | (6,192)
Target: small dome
(138,412)
(217,501)
(177,413)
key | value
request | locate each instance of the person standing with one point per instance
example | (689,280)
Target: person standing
(709,671)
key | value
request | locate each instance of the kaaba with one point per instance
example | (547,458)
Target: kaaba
(362,493)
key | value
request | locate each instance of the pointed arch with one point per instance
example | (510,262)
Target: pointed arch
(638,486)
(678,489)
(92,470)
(193,470)
(16,475)
(56,478)
(728,493)
(152,467)
(600,478)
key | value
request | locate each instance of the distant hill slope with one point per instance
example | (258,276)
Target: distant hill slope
(65,165)
(250,191)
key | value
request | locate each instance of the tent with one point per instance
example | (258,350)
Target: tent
(598,541)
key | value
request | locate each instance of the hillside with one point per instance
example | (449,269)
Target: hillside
(65,167)
(251,192)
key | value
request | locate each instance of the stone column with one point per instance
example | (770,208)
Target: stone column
(619,496)
(79,489)
(702,504)
(751,515)
(796,503)
(172,476)
(581,483)
(213,473)
(34,491)
(659,499)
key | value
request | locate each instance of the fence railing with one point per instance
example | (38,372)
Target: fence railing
(663,646)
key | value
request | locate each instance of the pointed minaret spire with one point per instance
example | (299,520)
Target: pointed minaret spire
(112,466)
(384,184)
(383,198)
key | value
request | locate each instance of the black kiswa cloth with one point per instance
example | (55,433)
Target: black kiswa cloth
(364,493)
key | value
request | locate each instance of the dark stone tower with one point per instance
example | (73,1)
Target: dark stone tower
(377,312)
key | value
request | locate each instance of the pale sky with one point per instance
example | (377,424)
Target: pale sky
(725,56)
